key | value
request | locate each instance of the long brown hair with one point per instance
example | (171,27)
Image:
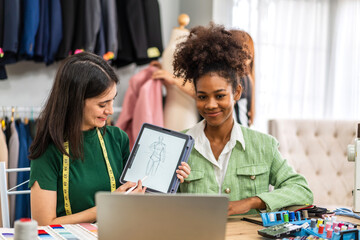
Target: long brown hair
(252,54)
(80,76)
(245,39)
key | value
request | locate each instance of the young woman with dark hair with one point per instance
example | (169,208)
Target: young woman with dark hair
(74,153)
(228,158)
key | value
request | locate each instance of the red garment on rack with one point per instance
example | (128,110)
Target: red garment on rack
(142,103)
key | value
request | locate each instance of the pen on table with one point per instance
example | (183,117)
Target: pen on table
(258,222)
(132,188)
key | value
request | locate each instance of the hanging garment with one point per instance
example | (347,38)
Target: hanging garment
(92,20)
(2,2)
(100,48)
(3,158)
(22,202)
(42,35)
(33,127)
(55,31)
(142,103)
(110,24)
(69,14)
(78,39)
(7,131)
(31,20)
(13,163)
(88,19)
(131,32)
(153,31)
(11,34)
(3,148)
(11,25)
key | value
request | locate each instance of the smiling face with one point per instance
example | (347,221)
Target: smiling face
(97,109)
(215,99)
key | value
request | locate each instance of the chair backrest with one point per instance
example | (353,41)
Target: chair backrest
(5,192)
(317,149)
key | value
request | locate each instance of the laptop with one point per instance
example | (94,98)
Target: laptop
(161,216)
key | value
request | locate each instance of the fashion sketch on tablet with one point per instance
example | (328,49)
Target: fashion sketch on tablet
(158,155)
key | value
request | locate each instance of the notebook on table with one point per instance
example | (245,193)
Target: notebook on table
(161,216)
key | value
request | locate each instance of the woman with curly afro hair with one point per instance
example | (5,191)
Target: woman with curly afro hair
(228,158)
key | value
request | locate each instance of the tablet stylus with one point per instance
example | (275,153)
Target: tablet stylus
(132,188)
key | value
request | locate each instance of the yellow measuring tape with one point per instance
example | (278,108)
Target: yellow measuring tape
(66,167)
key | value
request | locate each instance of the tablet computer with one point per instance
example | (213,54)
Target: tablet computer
(156,155)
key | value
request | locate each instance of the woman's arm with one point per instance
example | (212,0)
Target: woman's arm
(290,188)
(245,205)
(43,209)
(43,206)
(170,80)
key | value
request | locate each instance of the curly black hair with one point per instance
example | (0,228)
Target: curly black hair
(211,49)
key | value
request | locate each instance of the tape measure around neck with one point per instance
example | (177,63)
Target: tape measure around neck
(110,171)
(66,169)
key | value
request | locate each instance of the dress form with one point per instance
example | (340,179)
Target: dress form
(180,110)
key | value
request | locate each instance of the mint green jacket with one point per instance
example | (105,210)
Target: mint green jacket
(249,174)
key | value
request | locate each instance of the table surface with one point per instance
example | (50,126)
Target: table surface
(237,228)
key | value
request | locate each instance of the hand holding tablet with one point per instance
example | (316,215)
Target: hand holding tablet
(157,153)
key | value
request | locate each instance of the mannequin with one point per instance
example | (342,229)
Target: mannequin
(180,110)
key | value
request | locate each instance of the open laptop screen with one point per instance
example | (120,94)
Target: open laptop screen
(161,216)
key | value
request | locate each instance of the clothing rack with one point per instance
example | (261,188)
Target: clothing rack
(25,109)
(30,112)
(15,112)
(7,109)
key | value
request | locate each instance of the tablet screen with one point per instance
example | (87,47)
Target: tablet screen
(155,156)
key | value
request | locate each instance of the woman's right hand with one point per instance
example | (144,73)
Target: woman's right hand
(126,186)
(155,63)
(166,77)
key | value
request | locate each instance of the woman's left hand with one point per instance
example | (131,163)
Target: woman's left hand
(183,171)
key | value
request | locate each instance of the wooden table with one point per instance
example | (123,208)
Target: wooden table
(236,228)
(240,229)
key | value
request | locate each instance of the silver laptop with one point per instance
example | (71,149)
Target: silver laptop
(161,216)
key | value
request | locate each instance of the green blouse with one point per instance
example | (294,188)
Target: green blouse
(86,177)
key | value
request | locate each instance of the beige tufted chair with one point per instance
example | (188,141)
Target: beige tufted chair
(317,149)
